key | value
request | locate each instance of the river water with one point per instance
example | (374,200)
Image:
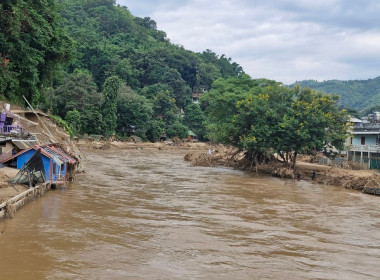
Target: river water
(145,214)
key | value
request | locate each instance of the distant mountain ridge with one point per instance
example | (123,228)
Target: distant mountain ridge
(357,94)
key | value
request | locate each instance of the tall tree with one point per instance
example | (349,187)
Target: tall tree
(164,107)
(134,113)
(194,118)
(79,92)
(110,91)
(221,103)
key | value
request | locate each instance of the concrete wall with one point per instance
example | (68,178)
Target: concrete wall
(369,139)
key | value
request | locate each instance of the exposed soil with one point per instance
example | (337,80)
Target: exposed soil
(330,175)
(43,129)
(8,191)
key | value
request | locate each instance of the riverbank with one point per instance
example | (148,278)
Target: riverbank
(362,180)
(37,129)
(202,154)
(7,190)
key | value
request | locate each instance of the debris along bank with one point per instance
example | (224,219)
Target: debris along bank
(35,155)
(367,181)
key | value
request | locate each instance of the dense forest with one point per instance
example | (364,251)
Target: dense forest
(100,70)
(361,95)
(103,70)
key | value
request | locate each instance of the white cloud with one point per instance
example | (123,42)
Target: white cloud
(285,40)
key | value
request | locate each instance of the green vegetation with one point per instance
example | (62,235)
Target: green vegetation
(263,117)
(62,123)
(363,96)
(101,70)
(32,46)
(88,60)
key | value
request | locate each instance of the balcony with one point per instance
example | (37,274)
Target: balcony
(364,148)
(10,129)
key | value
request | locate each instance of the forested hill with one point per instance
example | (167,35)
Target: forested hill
(110,41)
(103,70)
(362,95)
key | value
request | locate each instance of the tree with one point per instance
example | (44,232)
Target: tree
(73,119)
(313,123)
(151,91)
(178,129)
(109,110)
(78,92)
(164,107)
(156,129)
(221,103)
(207,74)
(289,122)
(263,117)
(182,94)
(194,119)
(134,113)
(126,73)
(256,122)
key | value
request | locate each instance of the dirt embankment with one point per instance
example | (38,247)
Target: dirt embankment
(43,129)
(362,180)
(7,190)
(105,145)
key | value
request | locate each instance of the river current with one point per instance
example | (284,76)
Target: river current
(146,214)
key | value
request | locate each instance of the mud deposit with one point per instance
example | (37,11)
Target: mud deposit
(145,214)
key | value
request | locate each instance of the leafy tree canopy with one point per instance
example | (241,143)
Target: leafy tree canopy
(134,113)
(32,45)
(263,118)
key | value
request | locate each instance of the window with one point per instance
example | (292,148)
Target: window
(363,140)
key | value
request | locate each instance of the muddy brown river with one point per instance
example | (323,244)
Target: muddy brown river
(145,214)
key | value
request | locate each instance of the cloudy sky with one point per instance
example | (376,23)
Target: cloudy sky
(284,40)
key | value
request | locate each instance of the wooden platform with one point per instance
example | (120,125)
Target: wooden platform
(8,208)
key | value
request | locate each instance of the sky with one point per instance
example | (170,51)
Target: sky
(282,40)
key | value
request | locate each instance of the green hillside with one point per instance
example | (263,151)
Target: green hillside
(102,69)
(362,95)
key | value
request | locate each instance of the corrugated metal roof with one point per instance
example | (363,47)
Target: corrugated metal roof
(55,156)
(63,154)
(47,151)
(355,120)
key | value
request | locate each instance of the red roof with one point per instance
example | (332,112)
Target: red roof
(44,152)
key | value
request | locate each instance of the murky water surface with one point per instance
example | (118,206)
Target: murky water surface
(146,215)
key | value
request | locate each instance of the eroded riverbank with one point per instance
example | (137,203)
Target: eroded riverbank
(197,154)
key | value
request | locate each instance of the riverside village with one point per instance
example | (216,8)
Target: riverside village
(37,155)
